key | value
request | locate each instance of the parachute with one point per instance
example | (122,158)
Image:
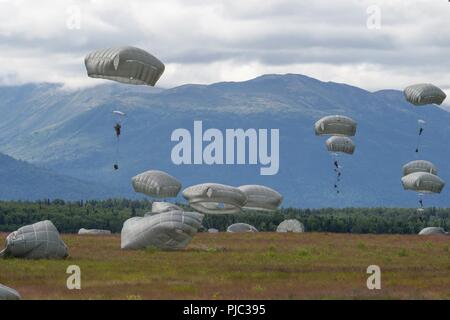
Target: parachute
(156,184)
(37,241)
(119,113)
(84,231)
(214,198)
(432,231)
(424,93)
(340,144)
(291,225)
(213,230)
(7,293)
(261,198)
(340,128)
(128,65)
(171,230)
(241,227)
(423,182)
(419,166)
(335,125)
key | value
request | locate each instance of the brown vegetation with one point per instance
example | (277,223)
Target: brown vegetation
(242,266)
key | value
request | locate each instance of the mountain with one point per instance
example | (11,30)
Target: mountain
(23,181)
(70,132)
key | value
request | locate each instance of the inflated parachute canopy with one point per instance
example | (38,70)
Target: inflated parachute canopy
(37,241)
(157,184)
(291,225)
(423,94)
(432,231)
(96,232)
(335,126)
(167,231)
(423,182)
(159,207)
(261,198)
(340,144)
(419,166)
(7,293)
(241,227)
(128,65)
(215,198)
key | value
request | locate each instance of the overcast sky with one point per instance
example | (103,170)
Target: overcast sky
(205,41)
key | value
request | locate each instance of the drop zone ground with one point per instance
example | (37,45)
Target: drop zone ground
(242,266)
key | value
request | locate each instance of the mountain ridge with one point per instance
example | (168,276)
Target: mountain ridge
(79,140)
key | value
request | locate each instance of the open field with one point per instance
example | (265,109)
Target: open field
(242,266)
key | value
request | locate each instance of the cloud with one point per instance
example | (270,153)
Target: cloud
(203,41)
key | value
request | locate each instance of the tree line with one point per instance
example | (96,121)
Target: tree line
(70,216)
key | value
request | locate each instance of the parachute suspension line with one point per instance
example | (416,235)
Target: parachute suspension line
(116,163)
(337,171)
(418,139)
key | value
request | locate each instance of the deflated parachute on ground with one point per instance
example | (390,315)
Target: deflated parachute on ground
(423,94)
(157,184)
(168,230)
(241,227)
(215,198)
(261,198)
(83,231)
(432,231)
(419,166)
(291,225)
(423,182)
(37,241)
(340,144)
(128,65)
(335,125)
(8,293)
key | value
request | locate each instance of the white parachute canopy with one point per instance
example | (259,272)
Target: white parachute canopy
(159,207)
(336,126)
(128,65)
(432,231)
(419,166)
(423,182)
(340,144)
(213,230)
(215,198)
(167,231)
(99,232)
(241,227)
(157,184)
(261,197)
(7,293)
(119,113)
(424,93)
(291,225)
(37,241)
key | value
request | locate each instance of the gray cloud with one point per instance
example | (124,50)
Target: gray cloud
(204,41)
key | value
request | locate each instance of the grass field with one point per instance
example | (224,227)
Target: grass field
(242,266)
